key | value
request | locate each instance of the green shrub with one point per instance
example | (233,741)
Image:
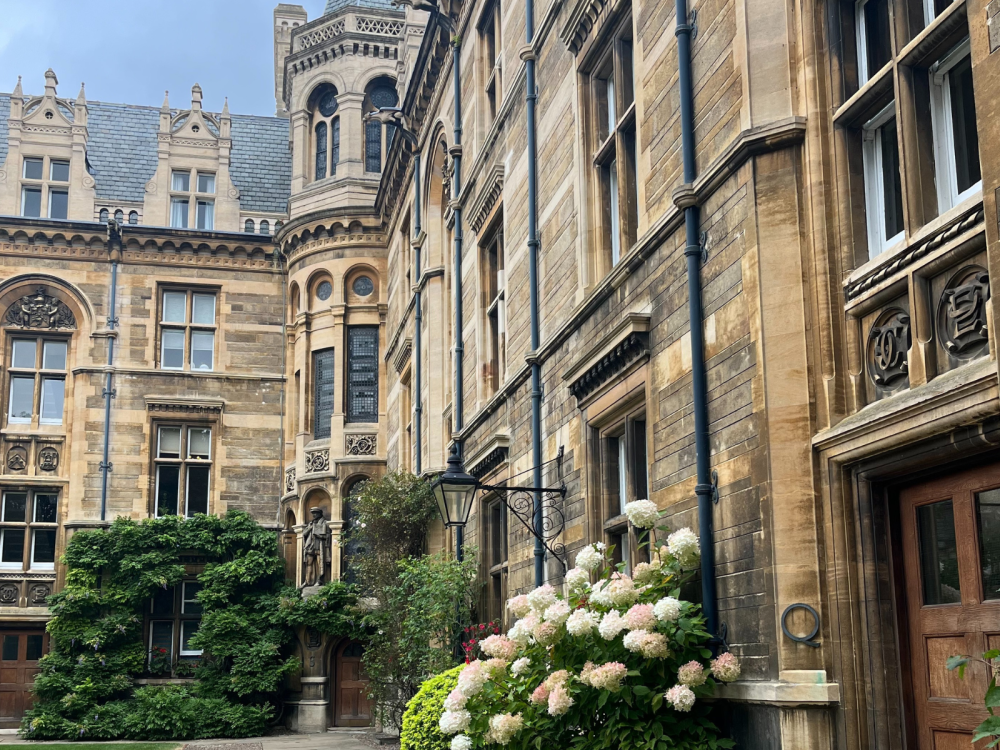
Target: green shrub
(423,712)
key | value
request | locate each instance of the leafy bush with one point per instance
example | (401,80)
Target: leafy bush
(84,688)
(423,712)
(990,728)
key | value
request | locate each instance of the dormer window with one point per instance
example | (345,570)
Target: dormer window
(182,198)
(38,193)
(325,131)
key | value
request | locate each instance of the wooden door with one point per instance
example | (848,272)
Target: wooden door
(351,706)
(20,651)
(951,562)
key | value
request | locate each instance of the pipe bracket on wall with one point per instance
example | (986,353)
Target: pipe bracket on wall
(715,486)
(804,639)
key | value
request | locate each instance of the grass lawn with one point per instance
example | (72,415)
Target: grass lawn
(111,745)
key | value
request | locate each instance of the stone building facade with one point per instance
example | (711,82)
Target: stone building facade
(850,230)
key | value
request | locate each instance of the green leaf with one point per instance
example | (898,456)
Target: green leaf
(993,696)
(956,661)
(641,690)
(603,699)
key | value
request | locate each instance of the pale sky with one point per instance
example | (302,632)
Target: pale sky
(132,50)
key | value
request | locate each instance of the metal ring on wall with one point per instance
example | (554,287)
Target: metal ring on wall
(807,639)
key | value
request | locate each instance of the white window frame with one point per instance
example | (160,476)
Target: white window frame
(943,127)
(878,243)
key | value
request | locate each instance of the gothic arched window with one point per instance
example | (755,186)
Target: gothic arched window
(323,108)
(380,93)
(248,226)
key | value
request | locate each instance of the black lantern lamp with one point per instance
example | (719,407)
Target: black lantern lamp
(454,491)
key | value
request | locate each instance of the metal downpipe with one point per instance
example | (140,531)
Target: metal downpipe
(114,252)
(456,189)
(699,381)
(531,96)
(419,316)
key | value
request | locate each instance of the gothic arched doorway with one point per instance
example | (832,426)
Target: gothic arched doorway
(350,703)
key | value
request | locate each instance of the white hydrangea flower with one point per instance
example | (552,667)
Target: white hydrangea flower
(519,606)
(577,580)
(520,666)
(557,613)
(590,557)
(611,625)
(453,722)
(681,697)
(542,598)
(581,622)
(667,609)
(471,679)
(522,631)
(600,594)
(642,513)
(461,742)
(683,544)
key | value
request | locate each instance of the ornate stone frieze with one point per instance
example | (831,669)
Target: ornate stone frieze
(39,310)
(290,480)
(583,16)
(632,348)
(961,319)
(402,355)
(38,594)
(489,462)
(487,198)
(17,459)
(48,458)
(361,445)
(317,461)
(888,347)
(10,594)
(381,26)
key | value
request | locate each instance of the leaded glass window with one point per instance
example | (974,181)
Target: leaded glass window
(323,363)
(362,374)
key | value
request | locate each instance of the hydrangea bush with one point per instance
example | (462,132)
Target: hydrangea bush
(617,662)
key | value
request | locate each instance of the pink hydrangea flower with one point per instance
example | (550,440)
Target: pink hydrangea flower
(559,701)
(499,646)
(640,617)
(692,674)
(540,694)
(681,697)
(726,667)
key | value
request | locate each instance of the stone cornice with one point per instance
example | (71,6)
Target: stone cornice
(403,355)
(184,405)
(488,196)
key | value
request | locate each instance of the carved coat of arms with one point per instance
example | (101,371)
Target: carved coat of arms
(39,310)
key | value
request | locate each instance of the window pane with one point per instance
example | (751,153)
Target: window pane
(163,601)
(616,248)
(877,46)
(373,147)
(206,215)
(54,355)
(12,548)
(161,636)
(248,226)
(622,474)
(45,508)
(58,204)
(265,227)
(891,187)
(34,647)
(963,118)
(181,181)
(191,605)
(44,548)
(33,169)
(362,374)
(320,151)
(202,350)
(612,114)
(638,464)
(103,216)
(169,442)
(53,393)
(988,517)
(335,143)
(133,217)
(119,216)
(199,442)
(174,307)
(166,490)
(22,396)
(59,171)
(15,506)
(938,553)
(323,364)
(24,354)
(204,309)
(173,350)
(10,647)
(197,490)
(206,183)
(179,213)
(31,202)
(188,629)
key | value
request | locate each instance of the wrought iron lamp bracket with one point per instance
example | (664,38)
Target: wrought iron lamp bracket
(520,502)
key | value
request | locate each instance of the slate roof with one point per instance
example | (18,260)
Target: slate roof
(334,5)
(122,153)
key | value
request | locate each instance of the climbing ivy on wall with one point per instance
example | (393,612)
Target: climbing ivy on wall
(85,687)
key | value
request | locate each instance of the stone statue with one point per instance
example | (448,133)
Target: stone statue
(315,550)
(40,310)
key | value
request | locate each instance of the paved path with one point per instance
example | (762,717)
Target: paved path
(336,739)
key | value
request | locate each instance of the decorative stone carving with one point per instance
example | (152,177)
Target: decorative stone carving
(363,286)
(315,550)
(17,458)
(38,594)
(888,347)
(314,638)
(39,310)
(48,458)
(631,349)
(362,445)
(9,594)
(290,480)
(317,461)
(962,313)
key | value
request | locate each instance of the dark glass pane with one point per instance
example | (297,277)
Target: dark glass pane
(34,649)
(197,490)
(44,549)
(15,506)
(133,217)
(33,169)
(163,601)
(321,151)
(191,605)
(354,650)
(119,216)
(188,629)
(892,189)
(335,145)
(988,517)
(362,374)
(328,102)
(32,202)
(12,550)
(638,459)
(45,508)
(963,117)
(877,35)
(938,553)
(496,534)
(104,215)
(323,401)
(60,171)
(496,594)
(59,204)
(162,637)
(373,148)
(22,397)
(10,644)
(940,6)
(166,490)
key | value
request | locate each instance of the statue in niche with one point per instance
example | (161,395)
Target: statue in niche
(315,550)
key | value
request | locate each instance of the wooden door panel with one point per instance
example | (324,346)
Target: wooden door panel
(351,705)
(942,682)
